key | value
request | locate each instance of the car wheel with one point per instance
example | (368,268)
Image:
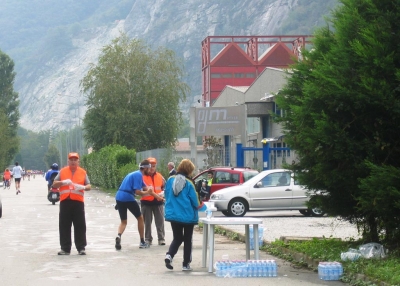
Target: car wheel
(237,207)
(316,212)
(225,213)
(305,212)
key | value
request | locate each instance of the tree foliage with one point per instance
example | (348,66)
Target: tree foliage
(34,147)
(108,166)
(52,156)
(213,147)
(9,104)
(133,96)
(343,113)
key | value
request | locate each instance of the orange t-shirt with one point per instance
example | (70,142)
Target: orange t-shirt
(7,175)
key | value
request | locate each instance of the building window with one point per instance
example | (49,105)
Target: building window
(253,125)
(239,75)
(250,75)
(226,75)
(215,75)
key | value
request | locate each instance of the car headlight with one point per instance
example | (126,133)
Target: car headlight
(217,197)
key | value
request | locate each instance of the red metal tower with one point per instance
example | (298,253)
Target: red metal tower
(238,60)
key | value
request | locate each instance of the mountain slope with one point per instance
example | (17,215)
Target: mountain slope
(50,69)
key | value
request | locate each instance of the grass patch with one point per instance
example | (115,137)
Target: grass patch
(386,270)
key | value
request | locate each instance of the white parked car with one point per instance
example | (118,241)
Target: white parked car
(269,190)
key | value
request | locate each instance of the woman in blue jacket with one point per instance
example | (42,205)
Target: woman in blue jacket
(181,210)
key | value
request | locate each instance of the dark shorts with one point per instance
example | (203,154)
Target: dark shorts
(18,179)
(123,208)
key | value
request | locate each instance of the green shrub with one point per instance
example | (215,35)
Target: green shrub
(106,167)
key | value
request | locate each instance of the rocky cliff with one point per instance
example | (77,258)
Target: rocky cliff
(51,93)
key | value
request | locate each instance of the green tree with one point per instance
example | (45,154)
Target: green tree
(343,113)
(133,96)
(52,156)
(213,147)
(33,149)
(6,142)
(9,104)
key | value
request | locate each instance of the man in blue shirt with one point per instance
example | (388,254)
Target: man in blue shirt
(50,175)
(132,185)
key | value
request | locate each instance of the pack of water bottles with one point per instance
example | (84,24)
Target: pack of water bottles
(260,236)
(250,268)
(330,270)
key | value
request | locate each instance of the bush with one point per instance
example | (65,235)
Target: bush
(107,167)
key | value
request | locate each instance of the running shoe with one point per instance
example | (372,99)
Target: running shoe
(118,243)
(144,245)
(62,252)
(187,267)
(168,262)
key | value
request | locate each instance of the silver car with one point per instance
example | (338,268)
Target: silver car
(269,190)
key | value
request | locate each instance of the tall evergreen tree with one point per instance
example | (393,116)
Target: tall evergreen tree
(9,104)
(133,96)
(343,115)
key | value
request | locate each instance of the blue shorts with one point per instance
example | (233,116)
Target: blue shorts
(132,206)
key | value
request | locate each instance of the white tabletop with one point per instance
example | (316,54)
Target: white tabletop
(231,220)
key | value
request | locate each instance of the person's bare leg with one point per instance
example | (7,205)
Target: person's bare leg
(140,227)
(122,226)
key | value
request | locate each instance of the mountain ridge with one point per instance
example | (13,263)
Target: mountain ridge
(52,90)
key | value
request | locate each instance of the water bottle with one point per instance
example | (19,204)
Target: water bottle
(268,270)
(218,268)
(260,235)
(250,269)
(245,272)
(263,268)
(223,269)
(208,213)
(274,269)
(329,271)
(322,271)
(259,268)
(239,271)
(251,235)
(233,269)
(340,270)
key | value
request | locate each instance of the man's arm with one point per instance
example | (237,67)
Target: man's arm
(57,183)
(146,191)
(157,196)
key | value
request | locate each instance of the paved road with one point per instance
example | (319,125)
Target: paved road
(29,245)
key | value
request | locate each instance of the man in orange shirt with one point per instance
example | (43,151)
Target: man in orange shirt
(154,204)
(73,182)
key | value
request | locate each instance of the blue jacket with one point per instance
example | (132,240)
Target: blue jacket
(181,201)
(48,175)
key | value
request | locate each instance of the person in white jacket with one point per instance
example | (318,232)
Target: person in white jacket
(17,174)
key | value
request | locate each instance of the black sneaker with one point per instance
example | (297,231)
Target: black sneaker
(168,262)
(118,243)
(82,252)
(62,252)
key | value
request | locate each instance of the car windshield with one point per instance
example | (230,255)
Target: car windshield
(248,175)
